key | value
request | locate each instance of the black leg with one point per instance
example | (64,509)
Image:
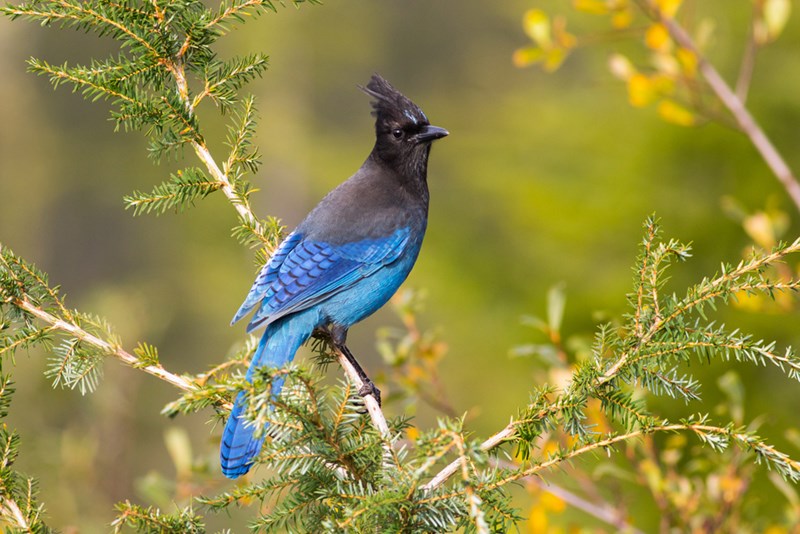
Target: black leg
(338,337)
(368,387)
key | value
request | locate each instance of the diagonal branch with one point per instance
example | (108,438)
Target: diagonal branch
(11,511)
(729,98)
(113,350)
(493,441)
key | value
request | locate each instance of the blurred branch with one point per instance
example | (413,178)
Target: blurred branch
(735,105)
(748,63)
(603,511)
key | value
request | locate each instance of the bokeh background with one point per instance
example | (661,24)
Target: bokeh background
(545,178)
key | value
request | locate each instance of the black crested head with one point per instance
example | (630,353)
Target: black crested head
(403,134)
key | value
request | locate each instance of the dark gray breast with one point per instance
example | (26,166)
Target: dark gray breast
(373,203)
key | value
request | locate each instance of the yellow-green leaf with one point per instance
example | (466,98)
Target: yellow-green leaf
(622,18)
(776,14)
(688,61)
(596,7)
(640,90)
(180,450)
(536,24)
(524,57)
(675,113)
(554,58)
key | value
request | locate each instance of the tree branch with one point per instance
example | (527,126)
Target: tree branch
(451,468)
(698,428)
(744,119)
(113,350)
(10,510)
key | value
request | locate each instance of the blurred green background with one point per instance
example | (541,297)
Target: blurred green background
(544,179)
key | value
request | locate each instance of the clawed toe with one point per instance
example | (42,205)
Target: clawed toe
(369,388)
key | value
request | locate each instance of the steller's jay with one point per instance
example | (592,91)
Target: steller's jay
(345,260)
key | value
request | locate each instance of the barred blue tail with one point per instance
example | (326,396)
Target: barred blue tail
(277,347)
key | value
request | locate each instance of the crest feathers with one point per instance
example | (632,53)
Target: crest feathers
(391,103)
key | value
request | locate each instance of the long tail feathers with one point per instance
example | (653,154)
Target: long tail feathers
(239,446)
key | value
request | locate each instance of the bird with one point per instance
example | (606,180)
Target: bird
(343,262)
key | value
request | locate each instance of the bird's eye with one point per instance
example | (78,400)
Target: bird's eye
(397,133)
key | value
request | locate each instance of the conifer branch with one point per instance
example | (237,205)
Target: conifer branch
(492,442)
(716,437)
(10,510)
(108,348)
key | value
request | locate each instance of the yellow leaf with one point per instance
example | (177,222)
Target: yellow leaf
(536,24)
(640,90)
(552,503)
(596,7)
(776,14)
(668,8)
(731,487)
(537,519)
(564,39)
(675,113)
(759,227)
(657,37)
(622,18)
(704,33)
(180,449)
(688,61)
(554,58)
(524,57)
(652,474)
(663,85)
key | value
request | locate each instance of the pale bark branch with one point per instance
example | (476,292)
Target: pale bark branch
(109,348)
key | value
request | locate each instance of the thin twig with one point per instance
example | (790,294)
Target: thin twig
(748,63)
(735,105)
(697,428)
(239,204)
(243,209)
(493,441)
(374,409)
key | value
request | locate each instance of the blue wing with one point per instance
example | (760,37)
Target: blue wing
(267,275)
(303,273)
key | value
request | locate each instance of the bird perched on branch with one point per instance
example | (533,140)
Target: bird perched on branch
(344,261)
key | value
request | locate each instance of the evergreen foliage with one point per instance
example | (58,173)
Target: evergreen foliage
(330,469)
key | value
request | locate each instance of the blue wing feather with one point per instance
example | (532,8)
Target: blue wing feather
(309,272)
(267,275)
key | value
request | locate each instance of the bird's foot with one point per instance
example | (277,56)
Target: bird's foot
(369,388)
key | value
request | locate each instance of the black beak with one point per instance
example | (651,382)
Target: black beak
(431,133)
